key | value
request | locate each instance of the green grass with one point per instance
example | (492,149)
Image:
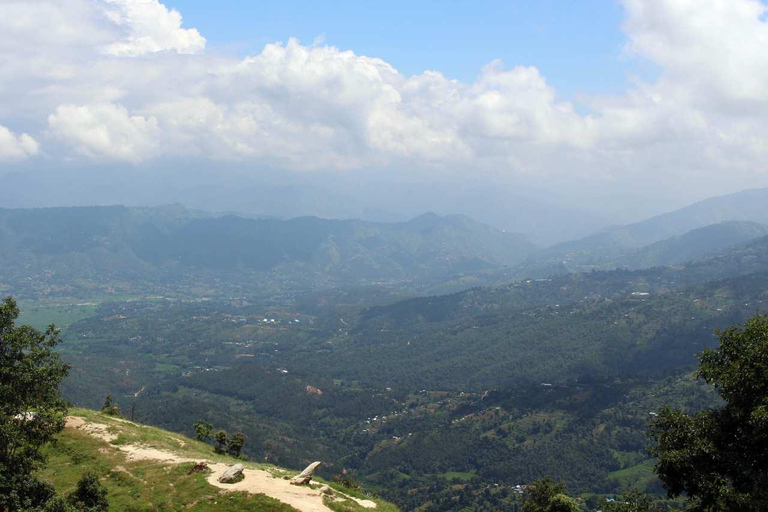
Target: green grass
(134,433)
(166,368)
(346,490)
(63,315)
(340,503)
(460,475)
(135,486)
(634,476)
(142,485)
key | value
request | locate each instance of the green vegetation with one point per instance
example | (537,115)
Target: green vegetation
(203,430)
(547,496)
(31,410)
(439,403)
(635,476)
(632,501)
(77,459)
(110,408)
(89,495)
(41,316)
(105,253)
(142,485)
(465,373)
(718,457)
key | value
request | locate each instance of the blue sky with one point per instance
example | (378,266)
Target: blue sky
(577,45)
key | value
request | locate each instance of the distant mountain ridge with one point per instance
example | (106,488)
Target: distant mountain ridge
(725,220)
(697,243)
(151,242)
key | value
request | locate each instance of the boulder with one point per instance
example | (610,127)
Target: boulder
(232,474)
(305,476)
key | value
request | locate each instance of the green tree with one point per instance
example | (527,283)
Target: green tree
(89,495)
(203,430)
(632,501)
(57,504)
(221,441)
(235,445)
(110,407)
(31,409)
(546,495)
(718,457)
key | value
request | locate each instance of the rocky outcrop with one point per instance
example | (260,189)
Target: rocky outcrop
(305,476)
(232,475)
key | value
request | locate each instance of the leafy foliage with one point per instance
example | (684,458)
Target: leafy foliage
(110,408)
(220,437)
(89,495)
(547,496)
(632,501)
(719,457)
(203,430)
(31,410)
(235,444)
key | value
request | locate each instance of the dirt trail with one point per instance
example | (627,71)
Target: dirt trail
(256,481)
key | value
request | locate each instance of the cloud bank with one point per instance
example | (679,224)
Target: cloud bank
(124,81)
(16,147)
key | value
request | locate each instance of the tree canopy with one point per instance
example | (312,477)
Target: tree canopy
(718,457)
(31,409)
(545,495)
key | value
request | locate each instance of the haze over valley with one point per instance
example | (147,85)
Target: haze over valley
(442,257)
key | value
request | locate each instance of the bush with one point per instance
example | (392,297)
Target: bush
(89,495)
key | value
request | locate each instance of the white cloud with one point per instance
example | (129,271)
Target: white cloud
(123,80)
(150,27)
(16,147)
(105,131)
(713,51)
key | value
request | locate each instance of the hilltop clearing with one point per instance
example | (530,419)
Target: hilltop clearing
(145,468)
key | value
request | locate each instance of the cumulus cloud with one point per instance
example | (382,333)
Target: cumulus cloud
(16,147)
(713,50)
(150,28)
(124,80)
(105,132)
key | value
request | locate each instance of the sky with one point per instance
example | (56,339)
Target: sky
(456,38)
(619,108)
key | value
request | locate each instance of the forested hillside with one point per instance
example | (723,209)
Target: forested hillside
(500,384)
(95,250)
(428,400)
(605,251)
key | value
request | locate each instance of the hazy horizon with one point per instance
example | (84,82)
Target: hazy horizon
(658,105)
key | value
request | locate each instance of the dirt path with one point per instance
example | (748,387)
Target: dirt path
(256,481)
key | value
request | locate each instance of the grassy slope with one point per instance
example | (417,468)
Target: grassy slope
(154,485)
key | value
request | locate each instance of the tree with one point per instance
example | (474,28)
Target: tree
(31,409)
(203,430)
(236,444)
(632,501)
(57,504)
(547,496)
(89,495)
(221,441)
(718,457)
(110,408)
